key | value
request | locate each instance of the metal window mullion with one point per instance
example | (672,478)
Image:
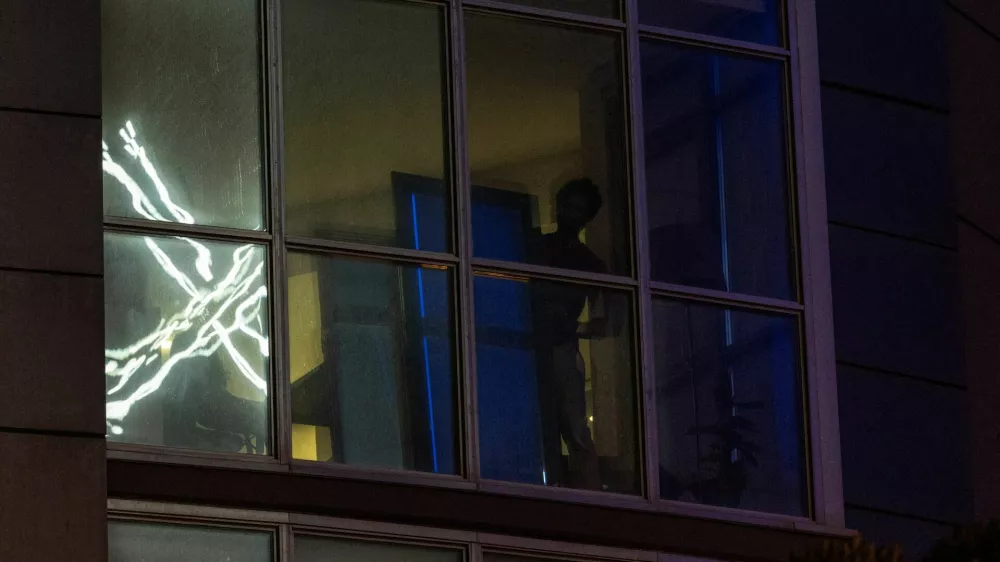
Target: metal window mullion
(647,375)
(285,551)
(553,273)
(713,42)
(156,228)
(824,459)
(280,365)
(461,188)
(723,298)
(553,16)
(348,249)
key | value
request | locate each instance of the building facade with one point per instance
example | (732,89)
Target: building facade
(479,280)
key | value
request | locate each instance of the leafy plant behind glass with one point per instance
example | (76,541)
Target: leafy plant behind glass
(731,453)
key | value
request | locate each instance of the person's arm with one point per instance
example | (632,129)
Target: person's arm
(605,319)
(606,316)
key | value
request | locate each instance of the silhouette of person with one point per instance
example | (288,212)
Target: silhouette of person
(557,308)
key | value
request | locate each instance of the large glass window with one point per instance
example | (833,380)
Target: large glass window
(182,111)
(547,144)
(137,541)
(716,172)
(746,20)
(372,363)
(186,336)
(557,392)
(437,240)
(365,126)
(729,406)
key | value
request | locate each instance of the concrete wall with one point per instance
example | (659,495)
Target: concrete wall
(52,465)
(897,286)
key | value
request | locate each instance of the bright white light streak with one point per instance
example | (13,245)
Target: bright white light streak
(212,334)
(204,262)
(170,269)
(137,151)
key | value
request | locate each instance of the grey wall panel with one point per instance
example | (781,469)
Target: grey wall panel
(905,446)
(895,304)
(914,535)
(895,47)
(50,192)
(51,55)
(888,167)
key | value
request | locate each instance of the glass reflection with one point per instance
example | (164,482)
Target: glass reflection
(556,384)
(717,170)
(758,21)
(316,549)
(372,363)
(181,95)
(546,117)
(186,336)
(130,541)
(364,121)
(729,407)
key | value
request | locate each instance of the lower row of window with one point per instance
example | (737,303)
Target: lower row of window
(374,373)
(142,541)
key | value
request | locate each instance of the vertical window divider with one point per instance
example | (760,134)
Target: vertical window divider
(462,195)
(475,551)
(285,551)
(276,203)
(647,386)
(823,429)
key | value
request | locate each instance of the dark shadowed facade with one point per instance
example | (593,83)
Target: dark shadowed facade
(496,281)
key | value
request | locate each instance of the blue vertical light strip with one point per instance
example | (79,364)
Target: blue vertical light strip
(720,157)
(423,315)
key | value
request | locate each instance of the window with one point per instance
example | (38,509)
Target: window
(152,532)
(541,247)
(141,541)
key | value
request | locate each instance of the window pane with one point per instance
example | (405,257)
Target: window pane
(316,549)
(556,383)
(545,107)
(758,21)
(598,8)
(155,542)
(364,84)
(186,331)
(182,111)
(716,171)
(730,407)
(372,363)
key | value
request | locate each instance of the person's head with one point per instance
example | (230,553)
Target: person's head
(577,203)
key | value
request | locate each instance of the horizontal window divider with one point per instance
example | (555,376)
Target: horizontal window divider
(492,542)
(334,247)
(124,509)
(481,265)
(131,452)
(702,40)
(724,298)
(164,228)
(566,495)
(399,533)
(731,514)
(374,474)
(554,16)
